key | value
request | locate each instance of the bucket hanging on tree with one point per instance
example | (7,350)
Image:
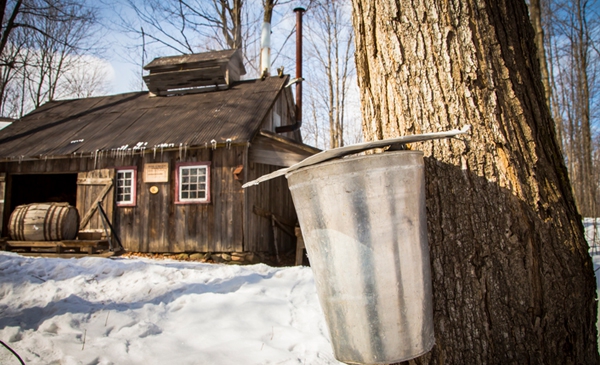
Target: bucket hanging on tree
(363,221)
(364,224)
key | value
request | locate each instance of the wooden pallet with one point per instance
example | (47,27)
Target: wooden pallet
(68,255)
(58,248)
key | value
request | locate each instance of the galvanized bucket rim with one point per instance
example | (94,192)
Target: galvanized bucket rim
(352,158)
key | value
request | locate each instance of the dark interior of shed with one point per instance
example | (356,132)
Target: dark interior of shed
(41,188)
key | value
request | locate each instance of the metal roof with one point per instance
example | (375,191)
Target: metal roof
(124,121)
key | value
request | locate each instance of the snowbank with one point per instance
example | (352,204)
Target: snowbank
(592,235)
(123,311)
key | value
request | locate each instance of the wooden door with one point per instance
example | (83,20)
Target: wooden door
(93,187)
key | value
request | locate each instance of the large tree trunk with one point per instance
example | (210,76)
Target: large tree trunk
(513,282)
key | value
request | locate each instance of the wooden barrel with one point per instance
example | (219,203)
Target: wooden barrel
(43,222)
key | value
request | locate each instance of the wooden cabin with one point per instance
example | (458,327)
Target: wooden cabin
(167,165)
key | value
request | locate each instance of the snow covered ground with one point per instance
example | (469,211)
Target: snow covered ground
(592,235)
(140,311)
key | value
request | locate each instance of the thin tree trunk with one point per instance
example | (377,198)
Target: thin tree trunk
(10,24)
(535,13)
(580,53)
(554,97)
(513,281)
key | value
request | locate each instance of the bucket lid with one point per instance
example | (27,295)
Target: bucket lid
(356,148)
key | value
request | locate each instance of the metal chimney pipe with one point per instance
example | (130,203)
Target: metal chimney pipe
(265,50)
(292,127)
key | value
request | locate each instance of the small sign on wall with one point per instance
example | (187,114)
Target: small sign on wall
(156,172)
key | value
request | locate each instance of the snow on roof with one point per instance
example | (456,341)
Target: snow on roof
(110,122)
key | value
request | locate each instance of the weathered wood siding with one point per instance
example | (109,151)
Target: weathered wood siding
(2,198)
(271,196)
(156,223)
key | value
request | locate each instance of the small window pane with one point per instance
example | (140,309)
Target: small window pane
(125,186)
(193,183)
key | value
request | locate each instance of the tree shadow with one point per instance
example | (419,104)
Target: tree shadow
(33,317)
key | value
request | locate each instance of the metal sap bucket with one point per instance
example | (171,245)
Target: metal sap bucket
(364,225)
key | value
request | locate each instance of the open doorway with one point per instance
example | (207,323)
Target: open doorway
(40,188)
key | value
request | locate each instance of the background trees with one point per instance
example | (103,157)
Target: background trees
(331,108)
(41,42)
(571,32)
(186,26)
(331,117)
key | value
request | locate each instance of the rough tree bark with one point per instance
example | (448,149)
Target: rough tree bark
(513,282)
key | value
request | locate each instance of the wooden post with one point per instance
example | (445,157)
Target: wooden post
(299,247)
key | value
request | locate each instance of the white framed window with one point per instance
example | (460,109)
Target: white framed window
(126,183)
(193,182)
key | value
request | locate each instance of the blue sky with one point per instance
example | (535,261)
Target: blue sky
(122,57)
(116,51)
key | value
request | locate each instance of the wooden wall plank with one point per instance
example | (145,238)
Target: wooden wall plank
(272,196)
(2,198)
(156,224)
(217,200)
